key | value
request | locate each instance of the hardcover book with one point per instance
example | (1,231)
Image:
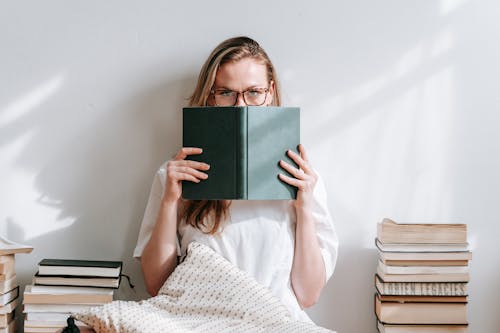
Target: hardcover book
(420,312)
(71,295)
(420,288)
(389,231)
(422,247)
(75,281)
(391,269)
(452,277)
(101,268)
(243,146)
(9,307)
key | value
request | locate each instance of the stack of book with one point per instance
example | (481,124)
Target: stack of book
(62,286)
(9,287)
(422,276)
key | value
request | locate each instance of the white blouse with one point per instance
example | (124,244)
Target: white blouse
(258,237)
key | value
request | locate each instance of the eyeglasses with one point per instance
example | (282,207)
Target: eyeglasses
(251,97)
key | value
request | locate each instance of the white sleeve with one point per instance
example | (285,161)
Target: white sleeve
(325,230)
(151,213)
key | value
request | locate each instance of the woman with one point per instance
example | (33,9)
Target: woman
(289,246)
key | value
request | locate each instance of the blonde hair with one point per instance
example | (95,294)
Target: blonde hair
(198,212)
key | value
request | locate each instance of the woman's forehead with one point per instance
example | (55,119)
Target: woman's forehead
(242,74)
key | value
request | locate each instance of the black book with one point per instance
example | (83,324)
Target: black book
(97,268)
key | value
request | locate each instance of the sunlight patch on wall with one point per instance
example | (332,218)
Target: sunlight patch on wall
(390,144)
(24,104)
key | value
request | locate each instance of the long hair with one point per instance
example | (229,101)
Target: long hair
(207,215)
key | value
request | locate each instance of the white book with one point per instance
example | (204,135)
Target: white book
(62,290)
(387,269)
(50,324)
(9,296)
(57,307)
(47,316)
(8,284)
(421,247)
(9,307)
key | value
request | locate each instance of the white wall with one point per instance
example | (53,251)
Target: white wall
(400,115)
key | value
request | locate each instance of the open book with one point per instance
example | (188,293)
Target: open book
(243,146)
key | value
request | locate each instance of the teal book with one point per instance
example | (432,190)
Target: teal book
(243,146)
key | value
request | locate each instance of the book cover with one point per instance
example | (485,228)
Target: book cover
(389,231)
(243,146)
(421,288)
(11,247)
(102,268)
(420,313)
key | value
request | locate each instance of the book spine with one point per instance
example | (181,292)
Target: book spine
(241,153)
(422,289)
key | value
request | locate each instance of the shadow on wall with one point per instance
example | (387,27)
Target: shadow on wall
(97,178)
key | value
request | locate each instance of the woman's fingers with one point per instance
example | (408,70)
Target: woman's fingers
(304,178)
(191,164)
(291,181)
(301,162)
(292,170)
(186,151)
(177,170)
(178,176)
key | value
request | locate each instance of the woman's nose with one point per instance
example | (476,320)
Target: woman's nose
(240,101)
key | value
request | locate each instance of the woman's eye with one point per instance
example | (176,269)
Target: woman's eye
(226,93)
(253,93)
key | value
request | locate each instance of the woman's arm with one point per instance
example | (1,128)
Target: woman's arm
(159,258)
(308,276)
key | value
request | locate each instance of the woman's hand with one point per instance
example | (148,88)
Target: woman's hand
(180,169)
(304,178)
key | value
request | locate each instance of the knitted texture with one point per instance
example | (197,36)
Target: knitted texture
(205,293)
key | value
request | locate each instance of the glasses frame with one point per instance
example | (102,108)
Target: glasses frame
(238,93)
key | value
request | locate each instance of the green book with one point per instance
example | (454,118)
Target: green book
(243,146)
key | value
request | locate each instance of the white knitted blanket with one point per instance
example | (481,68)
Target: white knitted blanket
(205,293)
